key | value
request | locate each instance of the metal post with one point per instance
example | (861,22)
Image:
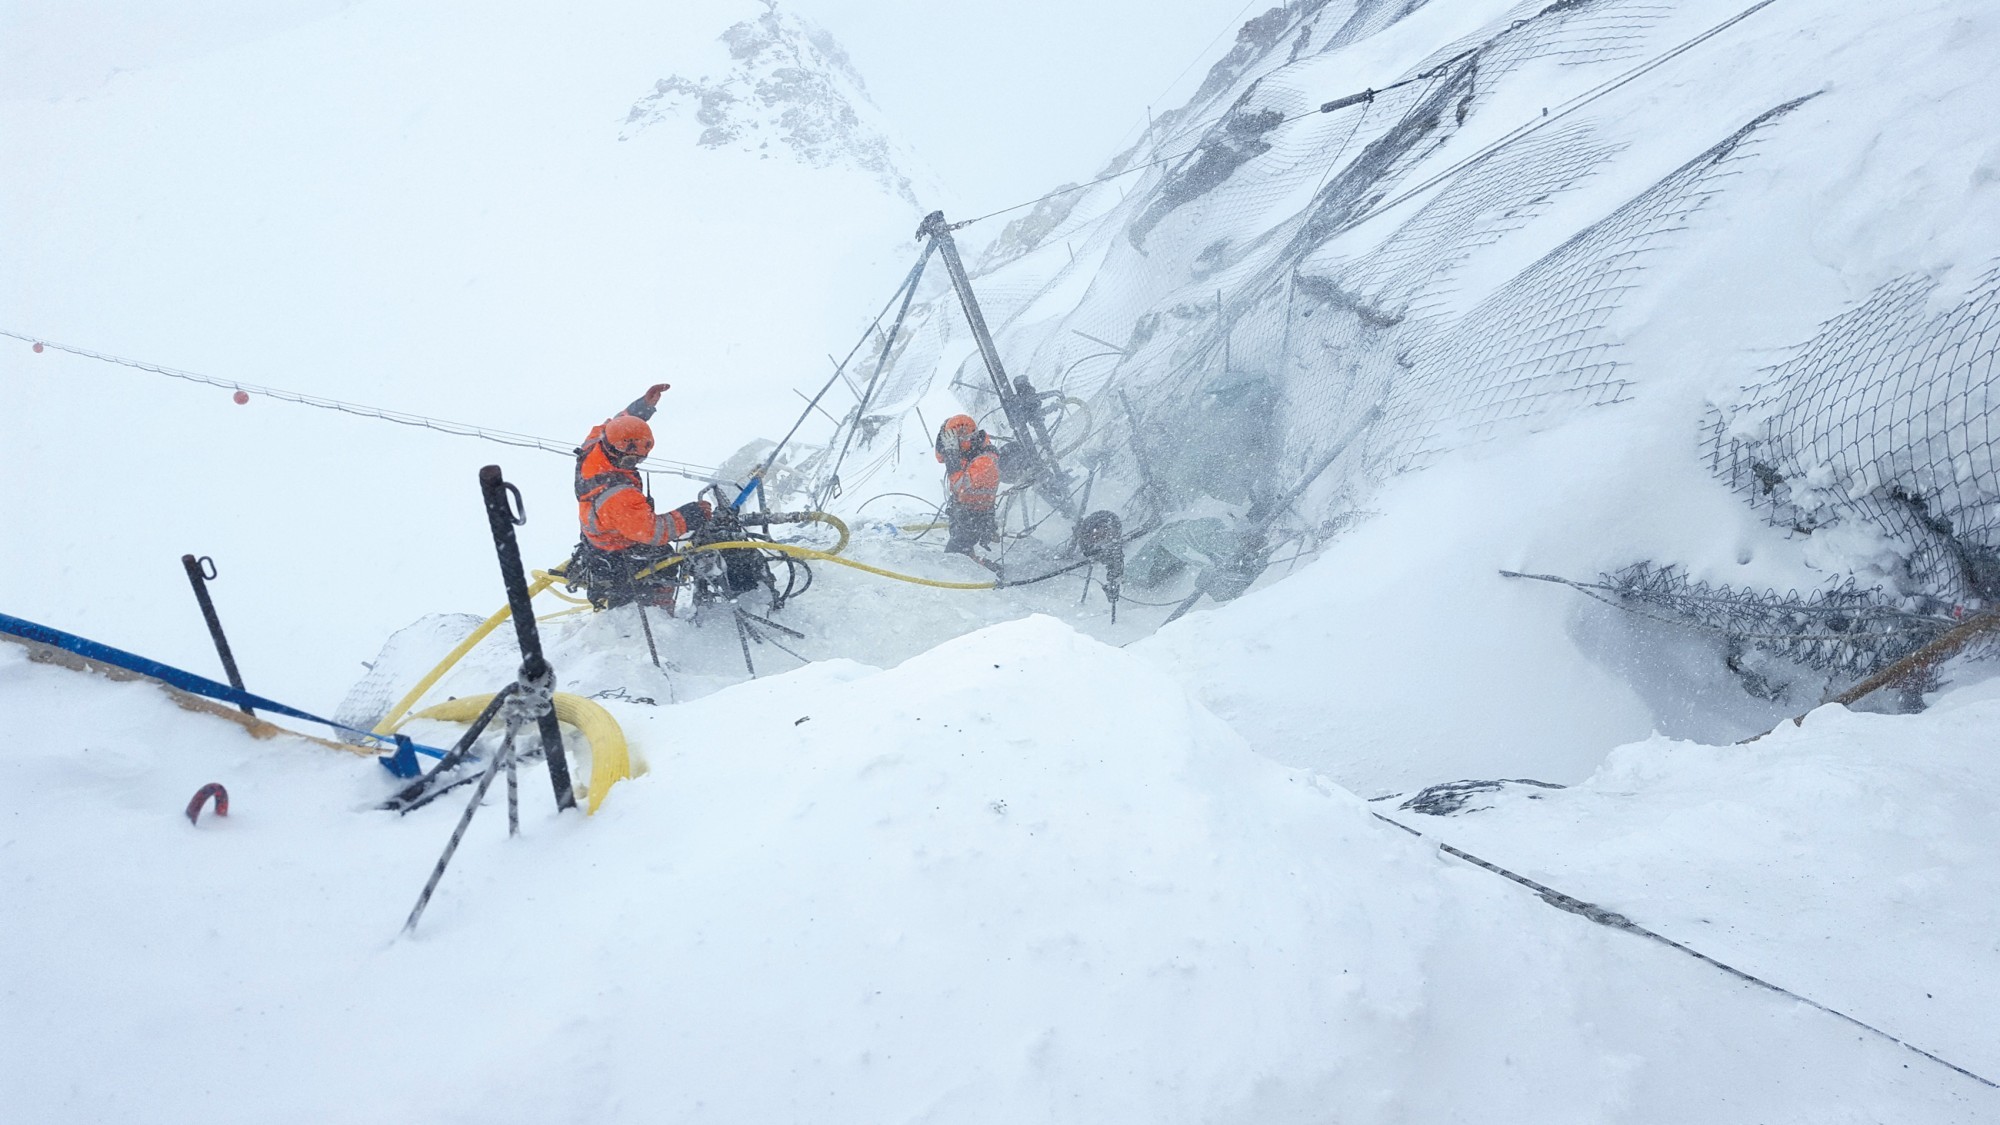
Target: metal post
(424,789)
(652,650)
(501,517)
(1051,482)
(743,638)
(199,572)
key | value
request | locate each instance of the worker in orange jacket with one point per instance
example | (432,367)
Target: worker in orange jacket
(622,534)
(972,473)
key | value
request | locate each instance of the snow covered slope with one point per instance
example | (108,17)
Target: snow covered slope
(1603,218)
(1021,878)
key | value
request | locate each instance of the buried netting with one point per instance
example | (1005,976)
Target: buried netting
(1881,425)
(1843,633)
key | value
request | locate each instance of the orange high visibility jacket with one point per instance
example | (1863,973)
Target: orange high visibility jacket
(610,503)
(973,473)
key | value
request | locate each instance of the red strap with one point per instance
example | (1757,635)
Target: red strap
(212,789)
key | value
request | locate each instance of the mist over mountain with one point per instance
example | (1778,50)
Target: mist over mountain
(789,85)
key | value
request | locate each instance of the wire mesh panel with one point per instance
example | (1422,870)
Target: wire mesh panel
(1280,306)
(1539,346)
(1243,293)
(1846,630)
(1281,302)
(1886,419)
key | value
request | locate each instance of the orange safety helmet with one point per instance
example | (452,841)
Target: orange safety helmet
(630,437)
(960,427)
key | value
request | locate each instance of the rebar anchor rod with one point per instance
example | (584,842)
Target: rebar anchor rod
(501,518)
(199,571)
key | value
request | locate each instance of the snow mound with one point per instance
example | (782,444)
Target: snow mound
(1021,878)
(1850,857)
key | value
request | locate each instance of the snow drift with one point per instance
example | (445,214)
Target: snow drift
(1023,877)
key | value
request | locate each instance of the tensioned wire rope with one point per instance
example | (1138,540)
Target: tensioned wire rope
(685,469)
(1533,124)
(1366,98)
(903,291)
(1592,912)
(1340,103)
(668,466)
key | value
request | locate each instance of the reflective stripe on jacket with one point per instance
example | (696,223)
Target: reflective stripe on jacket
(975,483)
(611,505)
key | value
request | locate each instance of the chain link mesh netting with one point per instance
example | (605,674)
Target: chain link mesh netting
(1886,419)
(1294,278)
(1235,300)
(1848,630)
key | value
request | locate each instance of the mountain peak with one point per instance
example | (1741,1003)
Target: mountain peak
(790,86)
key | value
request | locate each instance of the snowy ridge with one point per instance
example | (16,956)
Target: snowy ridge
(789,83)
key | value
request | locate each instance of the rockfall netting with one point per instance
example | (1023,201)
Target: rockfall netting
(1307,302)
(1885,417)
(1280,307)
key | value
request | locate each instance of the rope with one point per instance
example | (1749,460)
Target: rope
(504,757)
(1363,98)
(543,580)
(684,469)
(1367,96)
(1615,921)
(881,363)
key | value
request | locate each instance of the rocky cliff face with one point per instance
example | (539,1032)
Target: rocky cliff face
(789,91)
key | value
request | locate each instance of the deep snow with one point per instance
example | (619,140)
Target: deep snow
(1021,877)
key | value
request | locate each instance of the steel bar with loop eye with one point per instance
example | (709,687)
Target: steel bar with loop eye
(200,573)
(503,516)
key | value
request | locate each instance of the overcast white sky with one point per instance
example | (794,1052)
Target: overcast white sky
(1004,97)
(1008,97)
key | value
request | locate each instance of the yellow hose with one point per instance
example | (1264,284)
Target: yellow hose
(611,760)
(834,522)
(389,722)
(570,598)
(544,579)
